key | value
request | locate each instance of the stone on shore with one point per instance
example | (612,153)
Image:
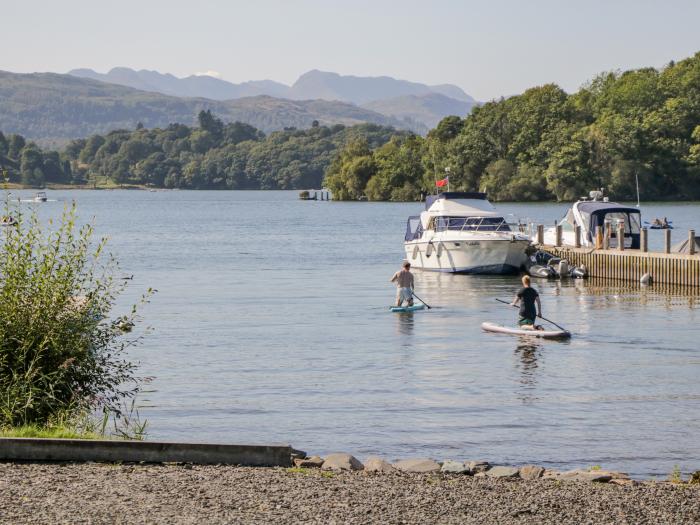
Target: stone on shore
(340,462)
(598,476)
(454,467)
(478,466)
(551,474)
(531,472)
(502,472)
(375,464)
(418,466)
(312,462)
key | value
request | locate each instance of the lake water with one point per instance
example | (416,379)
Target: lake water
(271,325)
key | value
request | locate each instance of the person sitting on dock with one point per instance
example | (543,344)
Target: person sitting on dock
(528,297)
(404,283)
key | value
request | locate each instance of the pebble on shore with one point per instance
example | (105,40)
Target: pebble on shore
(167,494)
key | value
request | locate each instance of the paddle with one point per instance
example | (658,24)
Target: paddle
(543,318)
(421,300)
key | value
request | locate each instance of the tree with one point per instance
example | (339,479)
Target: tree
(32,166)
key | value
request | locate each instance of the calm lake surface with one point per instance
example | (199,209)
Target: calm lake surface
(271,325)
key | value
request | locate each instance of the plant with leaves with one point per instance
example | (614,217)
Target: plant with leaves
(61,355)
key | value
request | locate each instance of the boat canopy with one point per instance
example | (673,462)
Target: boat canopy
(595,214)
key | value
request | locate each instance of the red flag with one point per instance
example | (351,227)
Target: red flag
(441,183)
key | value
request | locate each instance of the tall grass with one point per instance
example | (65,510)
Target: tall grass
(61,354)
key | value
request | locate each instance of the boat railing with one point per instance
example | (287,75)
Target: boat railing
(471,224)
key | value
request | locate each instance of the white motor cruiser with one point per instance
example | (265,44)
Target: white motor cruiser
(461,232)
(597,211)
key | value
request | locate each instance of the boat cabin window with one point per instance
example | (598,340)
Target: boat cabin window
(414,228)
(469,224)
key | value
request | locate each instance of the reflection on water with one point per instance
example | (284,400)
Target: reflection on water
(272,325)
(405,323)
(527,353)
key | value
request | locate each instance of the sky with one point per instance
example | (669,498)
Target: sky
(488,48)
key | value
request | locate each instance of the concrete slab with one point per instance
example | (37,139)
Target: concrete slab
(77,450)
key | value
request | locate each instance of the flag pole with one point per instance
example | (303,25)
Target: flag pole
(447,176)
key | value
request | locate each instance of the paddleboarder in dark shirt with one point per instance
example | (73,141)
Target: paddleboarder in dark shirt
(528,297)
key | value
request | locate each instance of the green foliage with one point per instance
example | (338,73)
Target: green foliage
(213,156)
(546,144)
(675,476)
(61,356)
(55,432)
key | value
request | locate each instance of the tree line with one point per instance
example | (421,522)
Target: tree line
(213,155)
(546,144)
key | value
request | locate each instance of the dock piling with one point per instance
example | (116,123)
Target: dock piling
(621,237)
(577,236)
(667,241)
(691,242)
(644,240)
(540,234)
(558,239)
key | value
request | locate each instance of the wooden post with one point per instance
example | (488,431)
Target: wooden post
(598,237)
(644,240)
(577,236)
(667,241)
(620,237)
(557,243)
(540,234)
(691,242)
(606,236)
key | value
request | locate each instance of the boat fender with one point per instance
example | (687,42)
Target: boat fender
(429,249)
(439,250)
(646,279)
(415,251)
(563,267)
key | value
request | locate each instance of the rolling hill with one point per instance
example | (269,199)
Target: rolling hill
(428,109)
(53,108)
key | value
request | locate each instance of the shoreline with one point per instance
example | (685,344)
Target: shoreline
(108,493)
(105,187)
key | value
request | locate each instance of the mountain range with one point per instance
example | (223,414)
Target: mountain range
(419,105)
(314,84)
(53,108)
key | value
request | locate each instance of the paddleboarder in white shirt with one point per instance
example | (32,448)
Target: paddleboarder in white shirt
(404,283)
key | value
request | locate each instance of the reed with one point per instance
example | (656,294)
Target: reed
(62,352)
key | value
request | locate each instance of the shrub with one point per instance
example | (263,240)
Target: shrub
(61,356)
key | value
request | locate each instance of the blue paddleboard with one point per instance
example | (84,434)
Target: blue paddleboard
(407,308)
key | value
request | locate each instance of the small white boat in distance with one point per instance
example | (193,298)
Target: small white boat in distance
(40,196)
(461,232)
(597,211)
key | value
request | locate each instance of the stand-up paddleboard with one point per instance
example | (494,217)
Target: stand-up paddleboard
(546,334)
(407,308)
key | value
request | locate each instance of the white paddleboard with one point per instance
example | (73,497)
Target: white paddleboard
(546,334)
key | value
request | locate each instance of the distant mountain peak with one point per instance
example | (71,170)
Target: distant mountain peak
(315,84)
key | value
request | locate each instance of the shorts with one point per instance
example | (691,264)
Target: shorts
(523,321)
(404,294)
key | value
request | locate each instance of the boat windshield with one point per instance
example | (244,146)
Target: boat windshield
(632,221)
(414,228)
(470,224)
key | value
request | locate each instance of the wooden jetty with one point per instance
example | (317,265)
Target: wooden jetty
(601,261)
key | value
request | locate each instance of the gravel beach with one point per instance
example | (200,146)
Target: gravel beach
(108,493)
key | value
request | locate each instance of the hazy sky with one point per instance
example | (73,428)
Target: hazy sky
(489,48)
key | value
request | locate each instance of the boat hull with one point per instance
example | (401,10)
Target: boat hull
(484,256)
